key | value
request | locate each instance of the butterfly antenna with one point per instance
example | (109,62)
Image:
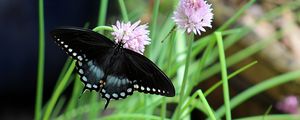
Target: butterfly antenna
(106,103)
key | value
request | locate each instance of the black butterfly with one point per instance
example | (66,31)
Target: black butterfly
(110,69)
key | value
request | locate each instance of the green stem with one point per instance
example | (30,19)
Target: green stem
(258,88)
(100,28)
(102,12)
(189,102)
(75,94)
(206,105)
(58,91)
(63,71)
(190,40)
(267,112)
(130,117)
(58,107)
(154,18)
(169,61)
(201,64)
(273,117)
(163,109)
(154,23)
(207,92)
(41,60)
(123,10)
(236,16)
(224,75)
(215,86)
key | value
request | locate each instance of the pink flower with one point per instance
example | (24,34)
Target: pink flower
(133,37)
(289,104)
(193,15)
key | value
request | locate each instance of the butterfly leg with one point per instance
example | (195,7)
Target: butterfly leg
(106,103)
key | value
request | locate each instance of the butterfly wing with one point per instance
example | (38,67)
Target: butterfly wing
(116,75)
(87,47)
(146,76)
(77,42)
(129,71)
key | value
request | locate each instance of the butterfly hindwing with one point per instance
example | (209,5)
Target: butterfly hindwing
(146,76)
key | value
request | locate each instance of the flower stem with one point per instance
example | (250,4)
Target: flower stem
(100,28)
(169,61)
(206,105)
(123,10)
(41,60)
(190,39)
(102,12)
(224,75)
(154,20)
(153,27)
(201,65)
(58,91)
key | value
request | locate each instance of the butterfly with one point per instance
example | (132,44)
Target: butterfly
(108,68)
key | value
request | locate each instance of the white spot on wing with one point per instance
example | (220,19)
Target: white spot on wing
(70,50)
(79,58)
(153,89)
(115,95)
(84,78)
(89,85)
(79,63)
(129,90)
(142,88)
(122,94)
(95,86)
(107,95)
(136,86)
(103,91)
(80,71)
(74,54)
(148,89)
(66,46)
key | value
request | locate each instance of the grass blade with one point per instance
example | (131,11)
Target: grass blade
(41,60)
(206,105)
(58,92)
(123,10)
(258,88)
(224,75)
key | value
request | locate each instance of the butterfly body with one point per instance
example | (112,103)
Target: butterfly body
(108,68)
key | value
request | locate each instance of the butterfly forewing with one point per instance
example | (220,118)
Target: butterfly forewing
(85,46)
(76,42)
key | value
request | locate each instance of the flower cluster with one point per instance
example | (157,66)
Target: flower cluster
(132,36)
(193,16)
(289,104)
